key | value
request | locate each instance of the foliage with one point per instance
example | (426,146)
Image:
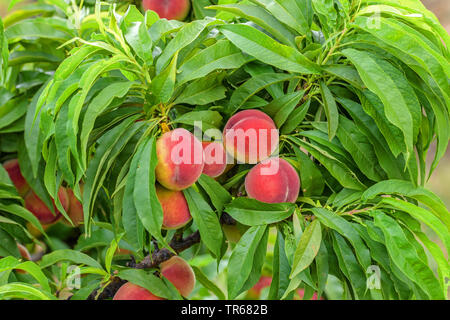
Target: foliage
(359,89)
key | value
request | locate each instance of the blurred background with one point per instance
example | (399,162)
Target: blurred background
(440,181)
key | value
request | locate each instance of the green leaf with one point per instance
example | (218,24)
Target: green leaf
(392,166)
(337,169)
(406,188)
(345,228)
(280,109)
(350,267)
(297,14)
(139,39)
(222,55)
(208,284)
(387,83)
(311,179)
(252,212)
(33,28)
(360,148)
(241,260)
(307,248)
(147,204)
(422,215)
(252,87)
(405,256)
(219,195)
(96,107)
(163,84)
(185,36)
(331,110)
(209,119)
(403,38)
(206,220)
(280,270)
(296,118)
(24,291)
(268,50)
(68,255)
(201,92)
(261,17)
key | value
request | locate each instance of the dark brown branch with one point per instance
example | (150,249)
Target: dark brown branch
(178,244)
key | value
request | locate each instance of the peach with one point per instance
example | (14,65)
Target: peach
(13,169)
(75,210)
(169,9)
(180,274)
(41,211)
(131,291)
(250,136)
(245,114)
(176,212)
(215,158)
(301,293)
(180,159)
(255,292)
(273,181)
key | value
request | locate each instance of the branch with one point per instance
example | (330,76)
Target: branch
(178,244)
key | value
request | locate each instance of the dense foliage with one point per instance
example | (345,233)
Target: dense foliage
(359,90)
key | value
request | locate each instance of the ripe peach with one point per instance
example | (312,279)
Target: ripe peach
(169,9)
(176,212)
(255,292)
(75,210)
(273,181)
(215,158)
(180,274)
(301,293)
(245,114)
(13,169)
(131,291)
(41,211)
(250,136)
(180,159)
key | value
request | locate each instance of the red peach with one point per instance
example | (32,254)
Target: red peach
(13,169)
(41,211)
(131,291)
(252,138)
(176,212)
(255,292)
(180,274)
(180,159)
(273,181)
(301,294)
(169,9)
(215,158)
(245,114)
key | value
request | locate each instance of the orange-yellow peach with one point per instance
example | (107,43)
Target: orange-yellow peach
(215,158)
(37,207)
(250,136)
(180,159)
(13,169)
(131,291)
(180,274)
(169,9)
(273,181)
(175,208)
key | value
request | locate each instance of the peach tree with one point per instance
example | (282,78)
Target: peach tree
(93,208)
